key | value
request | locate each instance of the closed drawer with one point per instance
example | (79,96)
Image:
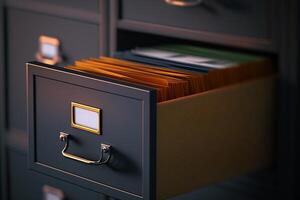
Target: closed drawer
(23,44)
(236,23)
(25,184)
(157,150)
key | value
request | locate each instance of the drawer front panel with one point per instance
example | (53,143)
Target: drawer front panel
(122,128)
(78,40)
(124,125)
(238,21)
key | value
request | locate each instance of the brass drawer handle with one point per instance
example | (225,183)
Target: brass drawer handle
(105,149)
(184,3)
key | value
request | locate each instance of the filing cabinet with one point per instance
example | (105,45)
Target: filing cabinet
(264,27)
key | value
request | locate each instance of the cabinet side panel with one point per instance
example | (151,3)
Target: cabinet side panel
(209,137)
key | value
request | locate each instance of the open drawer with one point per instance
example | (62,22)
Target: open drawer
(157,150)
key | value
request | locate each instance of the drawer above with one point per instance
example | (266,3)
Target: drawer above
(237,23)
(91,5)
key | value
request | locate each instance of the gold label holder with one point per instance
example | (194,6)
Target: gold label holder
(82,126)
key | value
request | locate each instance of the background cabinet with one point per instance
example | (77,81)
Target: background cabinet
(78,40)
(235,23)
(102,27)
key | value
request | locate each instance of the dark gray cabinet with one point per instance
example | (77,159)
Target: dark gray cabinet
(246,24)
(78,40)
(88,29)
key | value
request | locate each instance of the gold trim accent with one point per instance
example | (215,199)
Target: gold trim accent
(105,149)
(89,108)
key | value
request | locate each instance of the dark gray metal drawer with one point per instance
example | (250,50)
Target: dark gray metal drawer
(78,40)
(237,23)
(159,150)
(124,125)
(25,184)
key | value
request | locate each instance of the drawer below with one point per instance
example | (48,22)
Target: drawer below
(25,184)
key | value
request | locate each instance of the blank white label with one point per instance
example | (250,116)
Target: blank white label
(49,50)
(87,118)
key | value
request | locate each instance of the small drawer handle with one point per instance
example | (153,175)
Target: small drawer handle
(184,3)
(105,149)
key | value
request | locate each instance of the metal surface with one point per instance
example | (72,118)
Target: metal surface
(105,149)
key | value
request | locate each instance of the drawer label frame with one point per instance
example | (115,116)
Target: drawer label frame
(86,108)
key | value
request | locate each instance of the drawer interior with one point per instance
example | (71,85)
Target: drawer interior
(215,136)
(130,39)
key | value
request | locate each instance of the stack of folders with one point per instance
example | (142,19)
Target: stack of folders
(175,70)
